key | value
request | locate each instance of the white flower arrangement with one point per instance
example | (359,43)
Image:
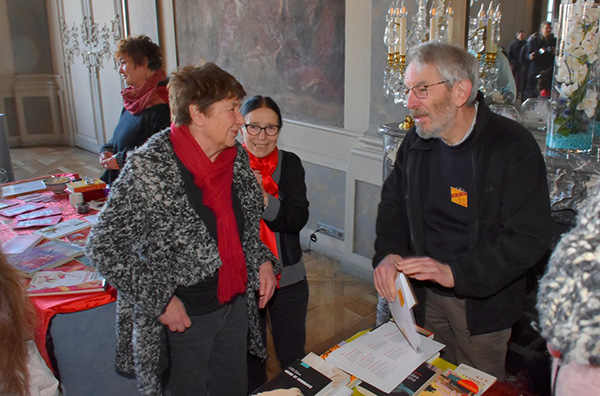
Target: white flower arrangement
(575,60)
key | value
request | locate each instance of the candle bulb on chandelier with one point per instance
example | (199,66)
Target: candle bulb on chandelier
(432,23)
(401,26)
(449,22)
(490,45)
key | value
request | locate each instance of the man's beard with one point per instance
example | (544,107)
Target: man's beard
(444,114)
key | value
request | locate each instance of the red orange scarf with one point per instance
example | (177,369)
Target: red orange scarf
(150,94)
(214,179)
(266,166)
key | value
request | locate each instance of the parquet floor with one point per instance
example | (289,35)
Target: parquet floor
(339,304)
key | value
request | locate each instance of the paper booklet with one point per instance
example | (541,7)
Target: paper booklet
(56,282)
(383,357)
(401,310)
(64,228)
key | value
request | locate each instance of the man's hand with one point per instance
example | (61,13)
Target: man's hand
(385,276)
(426,268)
(175,317)
(266,277)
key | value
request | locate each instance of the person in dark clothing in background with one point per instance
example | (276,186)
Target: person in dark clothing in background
(514,57)
(145,103)
(541,47)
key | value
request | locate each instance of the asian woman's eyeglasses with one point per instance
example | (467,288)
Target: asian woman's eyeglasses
(254,130)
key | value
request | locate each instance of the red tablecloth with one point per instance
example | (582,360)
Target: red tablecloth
(48,306)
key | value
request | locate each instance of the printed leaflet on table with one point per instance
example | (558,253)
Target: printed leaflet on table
(383,357)
(17,210)
(64,228)
(51,211)
(43,222)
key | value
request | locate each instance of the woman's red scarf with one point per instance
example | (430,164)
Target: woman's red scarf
(150,94)
(266,166)
(214,179)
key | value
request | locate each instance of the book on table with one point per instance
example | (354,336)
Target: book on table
(449,383)
(86,184)
(65,228)
(480,378)
(415,382)
(24,187)
(20,243)
(59,282)
(298,375)
(49,255)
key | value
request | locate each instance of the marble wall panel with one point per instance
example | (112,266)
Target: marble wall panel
(365,207)
(38,115)
(30,36)
(290,50)
(326,192)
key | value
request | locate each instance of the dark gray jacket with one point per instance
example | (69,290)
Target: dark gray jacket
(508,232)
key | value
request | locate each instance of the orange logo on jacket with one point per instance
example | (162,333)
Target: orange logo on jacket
(459,196)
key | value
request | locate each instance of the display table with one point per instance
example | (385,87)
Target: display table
(70,309)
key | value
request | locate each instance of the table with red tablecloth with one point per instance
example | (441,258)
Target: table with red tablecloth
(48,306)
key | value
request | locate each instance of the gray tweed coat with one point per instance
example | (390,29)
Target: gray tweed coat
(149,240)
(569,294)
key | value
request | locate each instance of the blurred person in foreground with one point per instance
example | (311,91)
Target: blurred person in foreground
(145,102)
(281,175)
(179,239)
(464,213)
(23,372)
(569,305)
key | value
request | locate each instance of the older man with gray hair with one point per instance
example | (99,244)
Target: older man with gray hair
(464,213)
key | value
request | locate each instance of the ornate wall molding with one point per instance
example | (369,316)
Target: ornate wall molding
(90,42)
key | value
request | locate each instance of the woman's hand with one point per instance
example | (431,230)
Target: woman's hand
(259,179)
(266,277)
(109,161)
(104,156)
(175,316)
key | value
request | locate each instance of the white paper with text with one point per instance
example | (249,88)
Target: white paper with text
(383,356)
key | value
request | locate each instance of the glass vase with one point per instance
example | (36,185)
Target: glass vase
(574,86)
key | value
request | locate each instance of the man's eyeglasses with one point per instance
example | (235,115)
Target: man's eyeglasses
(254,130)
(420,91)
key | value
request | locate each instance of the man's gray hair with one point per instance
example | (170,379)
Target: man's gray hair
(453,63)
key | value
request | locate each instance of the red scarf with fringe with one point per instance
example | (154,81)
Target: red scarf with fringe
(214,179)
(150,94)
(266,166)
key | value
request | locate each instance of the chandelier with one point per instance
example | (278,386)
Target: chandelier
(483,39)
(436,24)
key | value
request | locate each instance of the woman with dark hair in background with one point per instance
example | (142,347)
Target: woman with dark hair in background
(23,372)
(281,176)
(145,101)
